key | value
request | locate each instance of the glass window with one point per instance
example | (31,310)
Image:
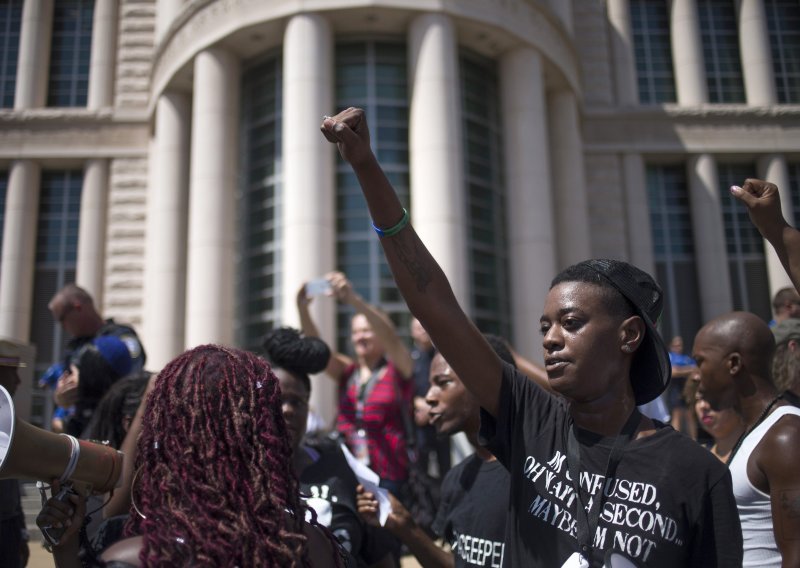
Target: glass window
(56,257)
(720,36)
(745,247)
(783,21)
(794,190)
(259,203)
(3,194)
(486,197)
(673,250)
(651,45)
(371,75)
(70,53)
(10,23)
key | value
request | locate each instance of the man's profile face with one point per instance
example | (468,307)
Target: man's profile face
(713,369)
(582,342)
(451,404)
(67,314)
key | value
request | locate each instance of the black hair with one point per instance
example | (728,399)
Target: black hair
(96,375)
(617,304)
(286,348)
(500,347)
(121,401)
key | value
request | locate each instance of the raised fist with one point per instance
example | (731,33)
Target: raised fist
(349,131)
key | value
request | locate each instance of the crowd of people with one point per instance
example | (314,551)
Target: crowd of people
(590,461)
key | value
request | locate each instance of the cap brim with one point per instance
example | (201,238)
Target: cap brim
(651,369)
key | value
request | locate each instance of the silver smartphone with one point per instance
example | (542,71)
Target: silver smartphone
(318,287)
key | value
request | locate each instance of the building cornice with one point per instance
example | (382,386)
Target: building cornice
(72,133)
(717,129)
(510,23)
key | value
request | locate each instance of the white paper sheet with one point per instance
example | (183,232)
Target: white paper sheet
(370,480)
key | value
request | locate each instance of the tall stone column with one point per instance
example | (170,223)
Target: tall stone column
(166,12)
(619,18)
(166,231)
(569,180)
(92,229)
(436,156)
(19,248)
(212,197)
(774,168)
(309,204)
(34,54)
(759,80)
(637,214)
(716,296)
(687,53)
(104,49)
(529,199)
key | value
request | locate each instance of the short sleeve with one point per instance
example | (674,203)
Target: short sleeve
(523,405)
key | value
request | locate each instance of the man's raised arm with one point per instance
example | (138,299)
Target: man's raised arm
(418,276)
(764,206)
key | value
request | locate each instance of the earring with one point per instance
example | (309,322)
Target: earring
(627,348)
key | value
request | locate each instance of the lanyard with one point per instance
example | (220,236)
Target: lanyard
(587,521)
(363,391)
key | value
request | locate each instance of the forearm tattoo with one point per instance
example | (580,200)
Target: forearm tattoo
(789,523)
(411,253)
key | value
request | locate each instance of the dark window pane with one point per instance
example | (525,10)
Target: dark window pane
(652,51)
(372,75)
(10,24)
(259,225)
(70,53)
(483,169)
(673,250)
(783,22)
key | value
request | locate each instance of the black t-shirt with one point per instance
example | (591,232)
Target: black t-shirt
(669,504)
(328,486)
(472,512)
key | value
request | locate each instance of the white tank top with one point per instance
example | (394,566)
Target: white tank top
(755,512)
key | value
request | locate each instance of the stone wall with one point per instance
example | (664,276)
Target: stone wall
(128,182)
(135,50)
(125,240)
(592,45)
(606,198)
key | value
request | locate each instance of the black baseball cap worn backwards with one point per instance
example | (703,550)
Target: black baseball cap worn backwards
(651,369)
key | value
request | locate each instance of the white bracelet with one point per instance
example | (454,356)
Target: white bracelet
(75,453)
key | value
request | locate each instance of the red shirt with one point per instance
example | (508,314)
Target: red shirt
(382,419)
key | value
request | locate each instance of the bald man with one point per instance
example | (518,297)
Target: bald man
(733,355)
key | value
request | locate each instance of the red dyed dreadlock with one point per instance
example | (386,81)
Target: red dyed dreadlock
(215,477)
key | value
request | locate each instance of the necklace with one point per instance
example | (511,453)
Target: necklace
(753,427)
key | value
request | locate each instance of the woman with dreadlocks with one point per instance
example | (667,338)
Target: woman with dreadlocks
(213,483)
(326,481)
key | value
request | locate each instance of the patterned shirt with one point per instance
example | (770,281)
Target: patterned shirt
(382,418)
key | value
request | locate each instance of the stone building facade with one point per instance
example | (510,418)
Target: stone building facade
(165,155)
